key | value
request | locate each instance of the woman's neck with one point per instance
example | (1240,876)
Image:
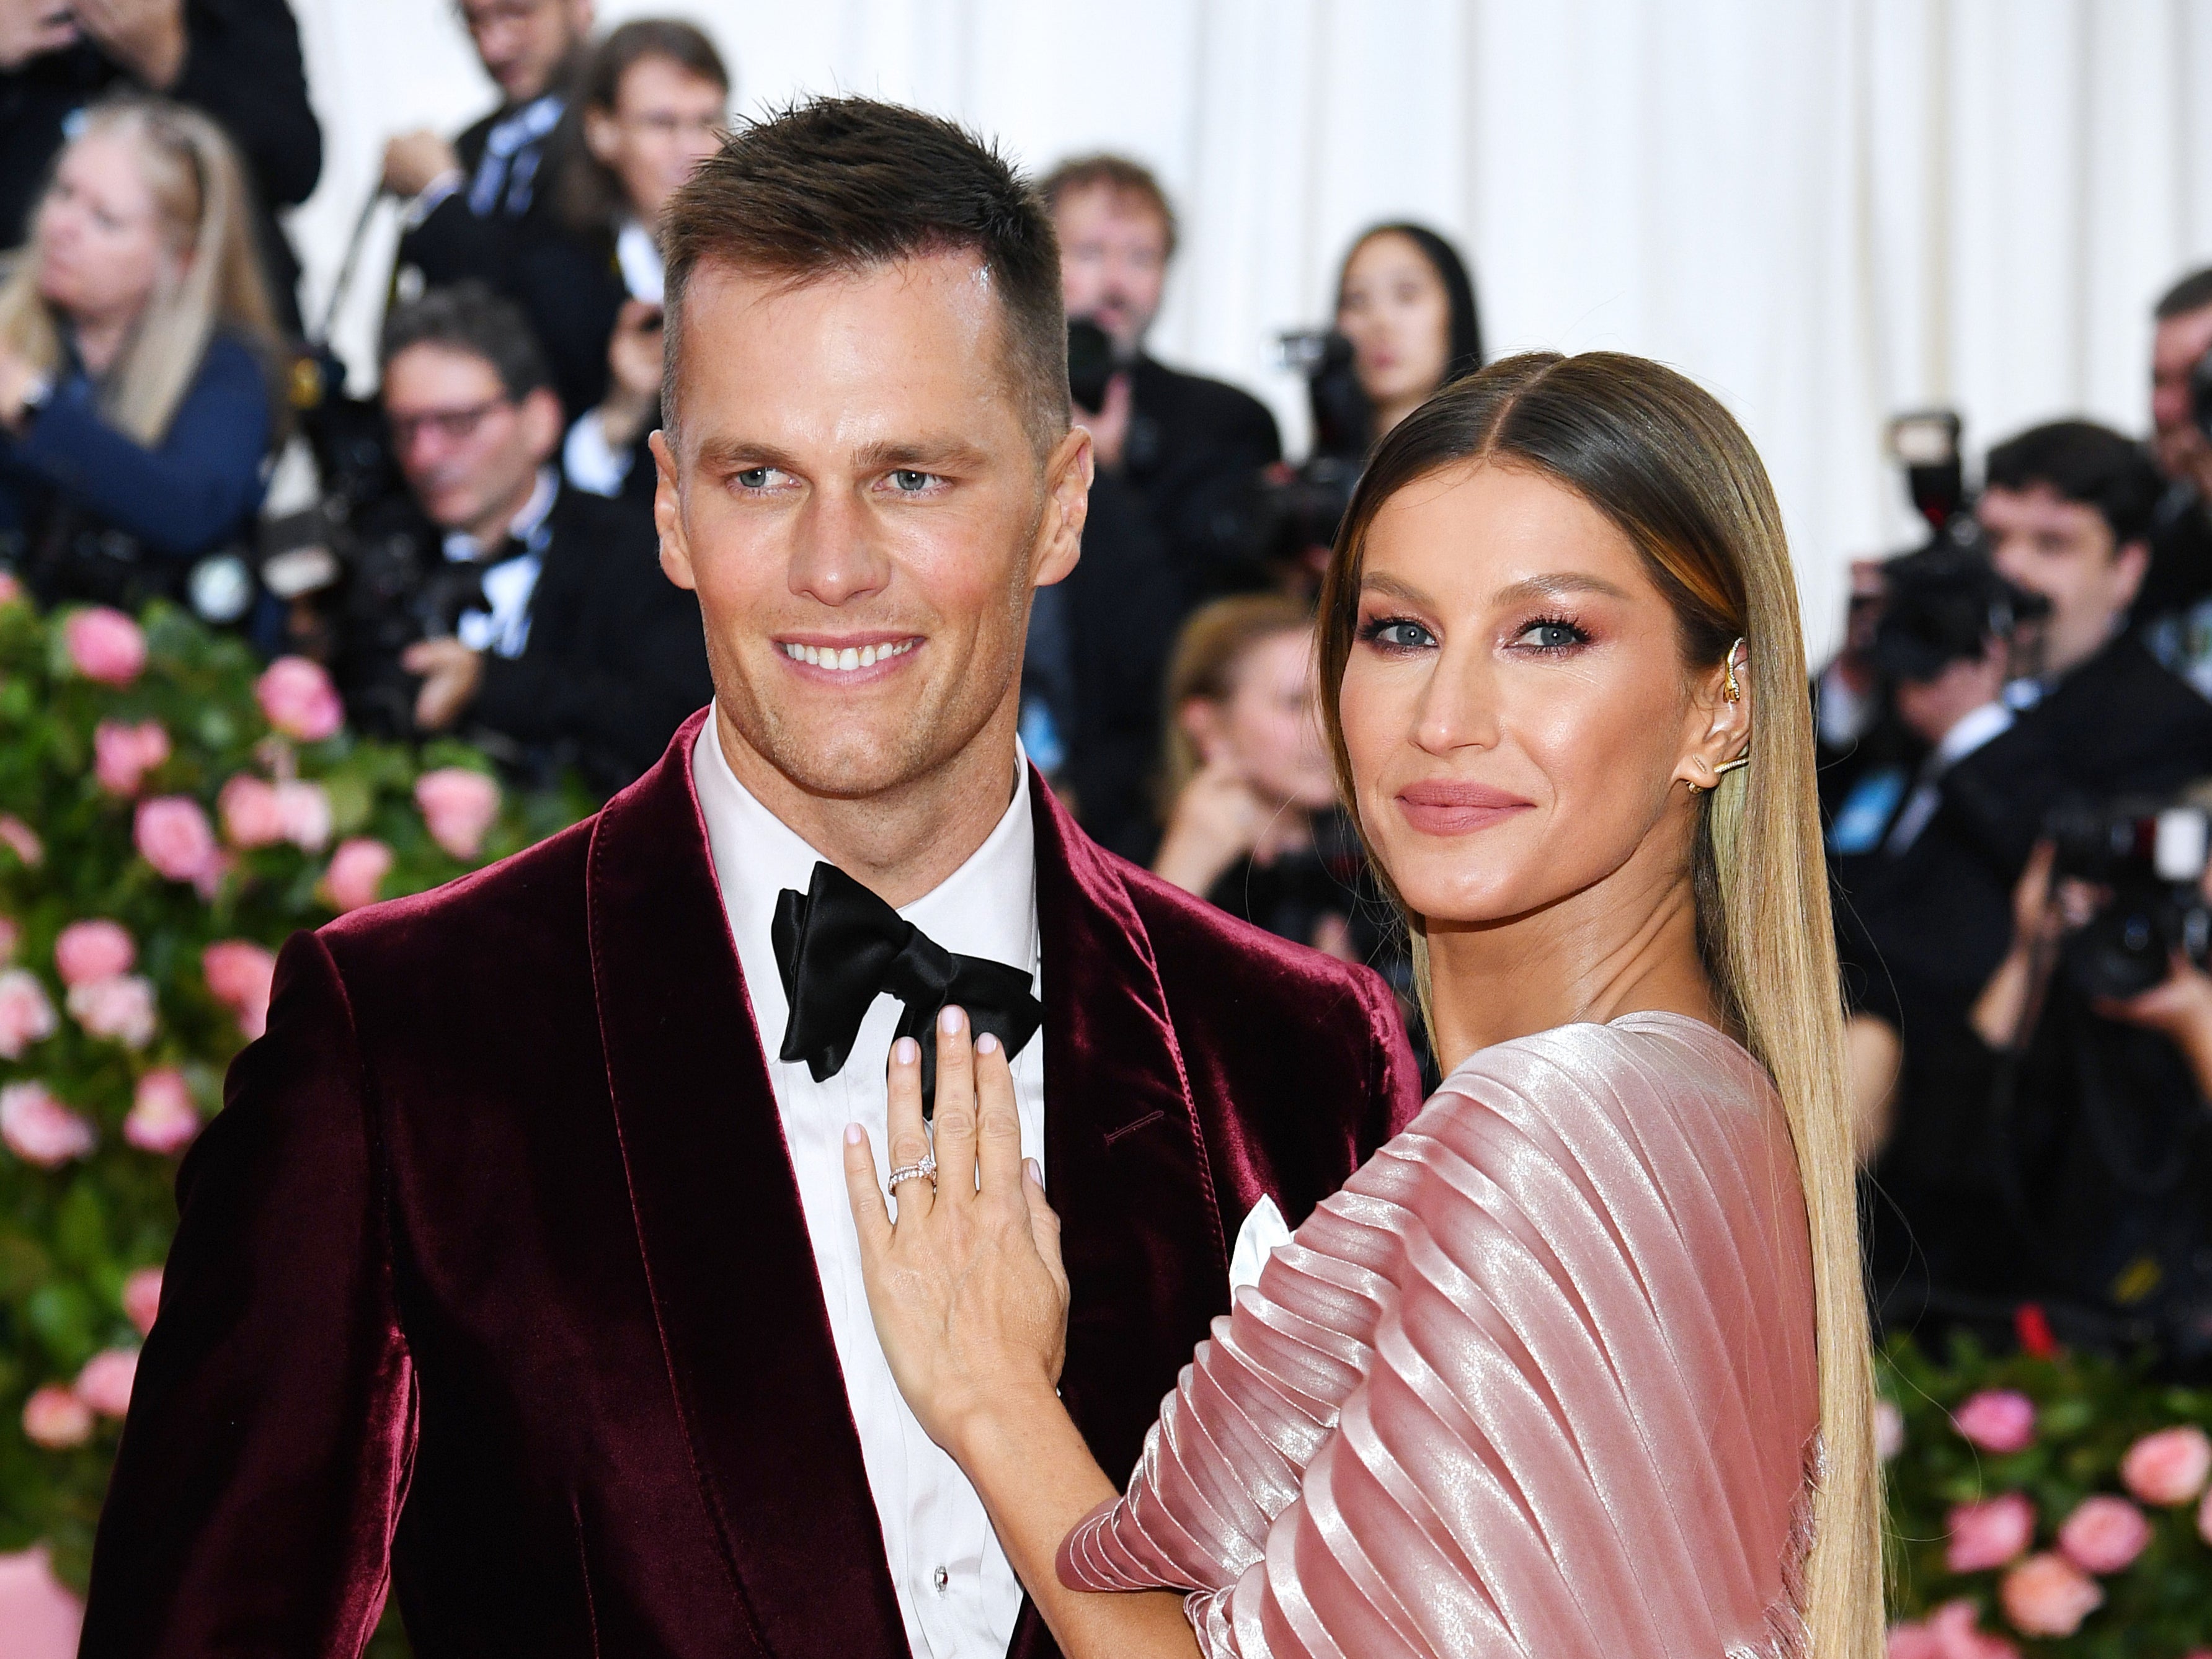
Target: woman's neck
(1389,415)
(99,342)
(1626,945)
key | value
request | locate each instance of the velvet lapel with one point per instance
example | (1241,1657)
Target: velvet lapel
(742,1323)
(1125,1155)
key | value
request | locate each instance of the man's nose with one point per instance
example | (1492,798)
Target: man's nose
(835,559)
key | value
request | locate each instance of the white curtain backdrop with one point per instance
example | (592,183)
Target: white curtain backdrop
(1826,211)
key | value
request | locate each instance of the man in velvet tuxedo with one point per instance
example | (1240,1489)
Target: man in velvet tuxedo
(518,1271)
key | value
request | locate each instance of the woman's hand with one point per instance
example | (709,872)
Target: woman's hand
(1217,820)
(966,1287)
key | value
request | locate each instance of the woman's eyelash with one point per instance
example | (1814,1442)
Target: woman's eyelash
(1378,630)
(1562,624)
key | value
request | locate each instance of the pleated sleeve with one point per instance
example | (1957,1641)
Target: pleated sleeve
(1539,1380)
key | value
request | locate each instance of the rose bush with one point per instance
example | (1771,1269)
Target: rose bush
(2045,1506)
(170,812)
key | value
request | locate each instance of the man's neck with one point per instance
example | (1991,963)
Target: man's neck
(903,843)
(490,530)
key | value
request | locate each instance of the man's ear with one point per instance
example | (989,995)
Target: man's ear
(1067,474)
(1719,726)
(599,134)
(542,424)
(668,516)
(2131,563)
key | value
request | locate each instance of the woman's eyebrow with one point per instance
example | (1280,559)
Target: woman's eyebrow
(1391,588)
(1555,584)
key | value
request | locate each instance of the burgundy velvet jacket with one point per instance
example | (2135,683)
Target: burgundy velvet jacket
(491,1280)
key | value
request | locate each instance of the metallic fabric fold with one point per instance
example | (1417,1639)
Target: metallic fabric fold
(1539,1380)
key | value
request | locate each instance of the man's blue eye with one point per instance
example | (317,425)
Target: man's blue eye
(754,478)
(906,480)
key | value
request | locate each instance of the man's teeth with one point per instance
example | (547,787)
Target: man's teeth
(846,660)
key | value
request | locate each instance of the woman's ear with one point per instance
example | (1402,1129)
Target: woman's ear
(1200,720)
(1719,719)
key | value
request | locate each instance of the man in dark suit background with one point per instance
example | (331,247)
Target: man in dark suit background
(465,197)
(519,1267)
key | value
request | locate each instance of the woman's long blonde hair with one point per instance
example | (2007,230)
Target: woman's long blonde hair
(198,189)
(1209,653)
(1675,472)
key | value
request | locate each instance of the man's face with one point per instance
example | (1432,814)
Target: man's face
(522,42)
(1113,260)
(2174,351)
(666,122)
(2063,551)
(470,452)
(863,513)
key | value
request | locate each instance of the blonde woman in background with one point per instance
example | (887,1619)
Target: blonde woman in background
(135,349)
(1576,1367)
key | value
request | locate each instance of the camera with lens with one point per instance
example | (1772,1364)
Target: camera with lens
(2149,859)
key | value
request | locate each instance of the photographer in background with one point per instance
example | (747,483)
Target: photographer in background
(236,61)
(490,601)
(465,198)
(1184,446)
(2066,509)
(2174,610)
(2095,1043)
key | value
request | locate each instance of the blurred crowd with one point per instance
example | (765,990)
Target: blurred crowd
(2016,736)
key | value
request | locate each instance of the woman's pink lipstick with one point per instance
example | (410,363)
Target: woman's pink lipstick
(1457,809)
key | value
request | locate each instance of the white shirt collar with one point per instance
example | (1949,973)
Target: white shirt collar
(986,908)
(1971,731)
(461,548)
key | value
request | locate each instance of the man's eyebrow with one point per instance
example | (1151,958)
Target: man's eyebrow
(740,455)
(920,454)
(1558,585)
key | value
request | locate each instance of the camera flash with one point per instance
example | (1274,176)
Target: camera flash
(2179,853)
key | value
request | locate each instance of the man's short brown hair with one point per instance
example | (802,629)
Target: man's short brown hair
(1117,174)
(839,187)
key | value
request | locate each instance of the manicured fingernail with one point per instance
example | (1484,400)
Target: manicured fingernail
(987,1044)
(907,1052)
(854,1134)
(1030,1169)
(949,1019)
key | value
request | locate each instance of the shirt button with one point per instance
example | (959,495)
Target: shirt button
(941,1579)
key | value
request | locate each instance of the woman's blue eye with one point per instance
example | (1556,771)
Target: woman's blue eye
(1553,635)
(1396,633)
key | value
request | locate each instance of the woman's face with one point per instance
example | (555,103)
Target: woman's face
(1518,718)
(665,121)
(1396,314)
(103,246)
(1267,728)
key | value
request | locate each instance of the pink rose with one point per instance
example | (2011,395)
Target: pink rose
(2104,1534)
(1997,1420)
(1992,1535)
(306,812)
(122,755)
(251,815)
(142,1298)
(96,948)
(1951,1632)
(357,870)
(105,644)
(23,841)
(40,1129)
(2204,1518)
(241,974)
(56,1419)
(459,806)
(298,699)
(2048,1596)
(173,836)
(104,1382)
(121,1008)
(2170,1467)
(11,590)
(27,1016)
(1888,1430)
(162,1117)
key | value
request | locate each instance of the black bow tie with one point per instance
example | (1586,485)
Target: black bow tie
(838,946)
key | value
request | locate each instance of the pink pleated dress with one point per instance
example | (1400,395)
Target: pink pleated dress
(1539,1380)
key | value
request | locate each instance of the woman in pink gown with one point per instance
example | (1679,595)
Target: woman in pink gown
(1576,1366)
